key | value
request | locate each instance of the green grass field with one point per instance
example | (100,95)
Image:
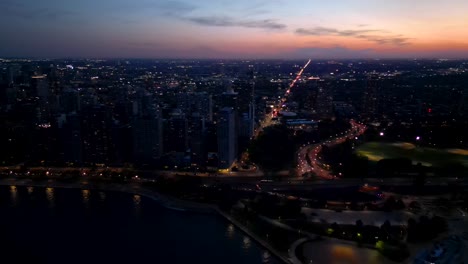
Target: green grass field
(376,151)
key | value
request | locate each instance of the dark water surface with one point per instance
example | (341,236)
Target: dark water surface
(65,226)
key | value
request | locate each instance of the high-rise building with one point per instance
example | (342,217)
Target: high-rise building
(147,139)
(203,104)
(70,101)
(176,132)
(143,103)
(196,103)
(246,128)
(14,71)
(198,140)
(245,88)
(229,99)
(95,127)
(71,139)
(247,123)
(41,84)
(246,104)
(227,147)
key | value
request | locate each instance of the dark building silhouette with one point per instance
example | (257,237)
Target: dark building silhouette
(227,147)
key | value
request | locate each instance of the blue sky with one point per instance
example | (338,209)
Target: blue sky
(234,29)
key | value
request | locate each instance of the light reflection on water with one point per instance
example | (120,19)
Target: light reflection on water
(246,243)
(336,252)
(137,199)
(136,203)
(266,257)
(102,196)
(237,239)
(345,254)
(230,231)
(50,196)
(14,195)
(85,196)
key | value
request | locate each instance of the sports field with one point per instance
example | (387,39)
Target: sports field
(376,151)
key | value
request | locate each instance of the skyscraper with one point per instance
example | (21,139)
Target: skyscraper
(95,134)
(227,148)
(147,139)
(70,100)
(196,103)
(197,139)
(176,132)
(71,139)
(230,99)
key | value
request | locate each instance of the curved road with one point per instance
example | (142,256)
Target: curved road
(308,160)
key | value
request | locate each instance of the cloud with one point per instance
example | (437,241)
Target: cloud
(367,34)
(223,21)
(394,40)
(175,8)
(182,10)
(336,52)
(318,31)
(256,8)
(22,11)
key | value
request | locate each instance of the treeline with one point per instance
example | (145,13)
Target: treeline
(273,150)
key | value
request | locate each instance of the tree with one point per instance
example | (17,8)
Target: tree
(359,230)
(386,228)
(420,179)
(390,203)
(273,149)
(399,205)
(359,223)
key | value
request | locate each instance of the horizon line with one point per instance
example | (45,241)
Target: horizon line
(36,58)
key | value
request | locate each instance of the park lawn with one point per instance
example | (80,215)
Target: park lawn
(376,151)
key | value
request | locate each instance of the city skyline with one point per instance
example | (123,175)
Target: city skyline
(241,29)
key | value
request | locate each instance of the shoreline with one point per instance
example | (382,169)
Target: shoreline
(170,203)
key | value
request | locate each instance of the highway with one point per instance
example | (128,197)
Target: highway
(267,120)
(308,156)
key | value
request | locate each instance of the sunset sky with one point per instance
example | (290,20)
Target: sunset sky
(234,28)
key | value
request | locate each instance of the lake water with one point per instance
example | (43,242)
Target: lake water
(66,226)
(337,252)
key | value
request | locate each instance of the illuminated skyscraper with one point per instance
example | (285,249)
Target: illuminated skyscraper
(95,123)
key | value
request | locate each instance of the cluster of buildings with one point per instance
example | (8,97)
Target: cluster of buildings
(199,113)
(113,113)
